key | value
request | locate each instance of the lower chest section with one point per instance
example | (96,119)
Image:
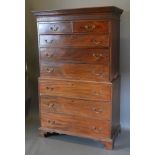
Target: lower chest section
(76,107)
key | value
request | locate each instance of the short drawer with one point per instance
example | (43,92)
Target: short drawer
(74,41)
(91,26)
(90,72)
(75,89)
(76,125)
(80,55)
(56,27)
(76,107)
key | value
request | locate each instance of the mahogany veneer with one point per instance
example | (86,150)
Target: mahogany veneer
(79,72)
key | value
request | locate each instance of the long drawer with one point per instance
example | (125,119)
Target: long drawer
(76,107)
(80,55)
(76,125)
(75,89)
(88,72)
(81,40)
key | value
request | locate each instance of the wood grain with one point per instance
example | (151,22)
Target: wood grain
(74,41)
(76,125)
(88,72)
(54,27)
(91,26)
(79,55)
(75,89)
(76,107)
(80,11)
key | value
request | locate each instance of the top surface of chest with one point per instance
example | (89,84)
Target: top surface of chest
(109,12)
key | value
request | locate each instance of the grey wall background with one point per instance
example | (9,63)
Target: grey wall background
(31,44)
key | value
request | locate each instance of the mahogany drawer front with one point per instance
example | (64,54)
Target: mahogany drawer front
(75,89)
(74,40)
(91,26)
(76,107)
(76,125)
(55,27)
(94,56)
(75,71)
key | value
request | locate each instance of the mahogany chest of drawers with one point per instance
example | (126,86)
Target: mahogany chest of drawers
(79,72)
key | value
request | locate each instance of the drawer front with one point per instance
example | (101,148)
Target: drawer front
(94,56)
(76,125)
(75,71)
(51,28)
(92,26)
(74,41)
(75,89)
(76,107)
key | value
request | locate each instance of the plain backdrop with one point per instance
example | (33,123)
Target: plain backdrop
(32,54)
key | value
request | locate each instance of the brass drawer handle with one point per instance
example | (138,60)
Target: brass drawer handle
(94,41)
(51,41)
(51,122)
(50,70)
(52,107)
(54,28)
(48,88)
(89,27)
(93,128)
(99,74)
(97,130)
(97,110)
(97,56)
(48,55)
